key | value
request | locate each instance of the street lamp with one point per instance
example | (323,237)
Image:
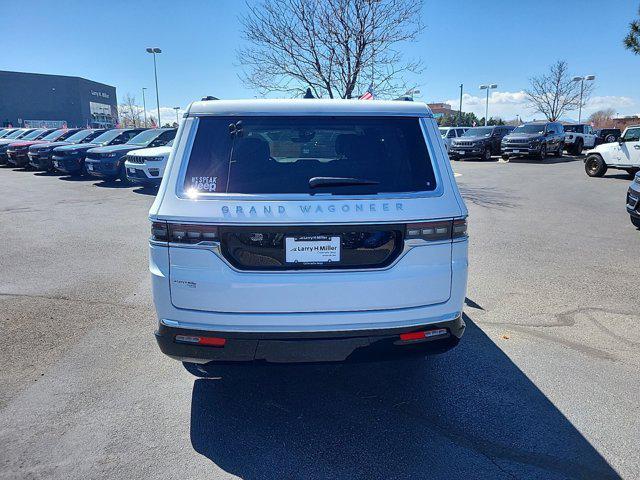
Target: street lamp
(487,87)
(154,51)
(176,109)
(144,107)
(581,80)
(460,108)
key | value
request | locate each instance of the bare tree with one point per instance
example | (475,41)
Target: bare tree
(337,48)
(632,40)
(129,112)
(555,93)
(602,118)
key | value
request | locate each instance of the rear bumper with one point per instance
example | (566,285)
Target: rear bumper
(310,347)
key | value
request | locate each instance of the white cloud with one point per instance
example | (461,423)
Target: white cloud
(507,105)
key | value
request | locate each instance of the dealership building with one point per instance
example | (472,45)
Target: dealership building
(37,100)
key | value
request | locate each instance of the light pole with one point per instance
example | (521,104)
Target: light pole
(581,80)
(154,51)
(176,109)
(460,108)
(487,87)
(144,107)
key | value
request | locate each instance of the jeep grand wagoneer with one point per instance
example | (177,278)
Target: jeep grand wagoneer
(307,231)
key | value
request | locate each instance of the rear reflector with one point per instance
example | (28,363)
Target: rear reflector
(406,337)
(208,341)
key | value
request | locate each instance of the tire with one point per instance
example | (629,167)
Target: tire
(486,155)
(560,150)
(543,152)
(631,172)
(610,138)
(505,157)
(577,150)
(594,166)
(123,175)
(635,221)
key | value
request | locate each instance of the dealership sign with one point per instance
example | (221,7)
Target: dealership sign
(44,124)
(99,94)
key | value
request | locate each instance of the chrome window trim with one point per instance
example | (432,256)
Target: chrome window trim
(180,191)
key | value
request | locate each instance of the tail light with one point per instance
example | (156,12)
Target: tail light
(439,230)
(183,233)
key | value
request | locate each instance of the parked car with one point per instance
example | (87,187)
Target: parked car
(622,155)
(40,154)
(479,142)
(6,131)
(147,165)
(633,201)
(578,136)
(306,231)
(17,150)
(607,135)
(108,163)
(9,139)
(69,159)
(535,139)
(449,133)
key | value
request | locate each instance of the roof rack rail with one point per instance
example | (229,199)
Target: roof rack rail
(209,97)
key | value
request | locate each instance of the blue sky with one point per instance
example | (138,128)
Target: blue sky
(465,41)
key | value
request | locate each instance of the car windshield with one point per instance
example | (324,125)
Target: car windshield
(14,134)
(530,128)
(56,134)
(79,136)
(573,128)
(478,132)
(107,137)
(145,138)
(33,135)
(330,155)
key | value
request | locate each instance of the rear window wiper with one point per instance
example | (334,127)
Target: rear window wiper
(333,181)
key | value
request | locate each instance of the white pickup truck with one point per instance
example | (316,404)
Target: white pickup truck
(622,155)
(578,136)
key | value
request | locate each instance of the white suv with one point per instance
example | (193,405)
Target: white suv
(146,166)
(577,137)
(449,133)
(307,231)
(622,155)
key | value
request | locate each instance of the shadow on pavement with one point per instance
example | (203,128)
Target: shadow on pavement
(546,161)
(469,413)
(111,183)
(152,191)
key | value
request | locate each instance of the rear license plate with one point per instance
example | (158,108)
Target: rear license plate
(90,167)
(312,249)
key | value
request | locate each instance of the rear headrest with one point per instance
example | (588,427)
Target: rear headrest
(251,150)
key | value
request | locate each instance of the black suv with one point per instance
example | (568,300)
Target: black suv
(535,139)
(479,142)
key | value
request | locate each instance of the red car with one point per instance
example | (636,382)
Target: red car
(17,152)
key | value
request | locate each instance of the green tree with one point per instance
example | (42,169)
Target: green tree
(632,40)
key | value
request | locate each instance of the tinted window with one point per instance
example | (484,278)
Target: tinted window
(146,138)
(35,134)
(80,136)
(530,128)
(14,134)
(282,155)
(573,128)
(478,132)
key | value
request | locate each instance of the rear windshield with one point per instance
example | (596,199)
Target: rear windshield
(335,155)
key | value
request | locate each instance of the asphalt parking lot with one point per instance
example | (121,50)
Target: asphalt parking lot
(545,384)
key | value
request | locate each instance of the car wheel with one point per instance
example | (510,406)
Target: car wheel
(123,176)
(543,152)
(631,172)
(635,221)
(578,148)
(560,150)
(486,155)
(594,166)
(610,138)
(505,157)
